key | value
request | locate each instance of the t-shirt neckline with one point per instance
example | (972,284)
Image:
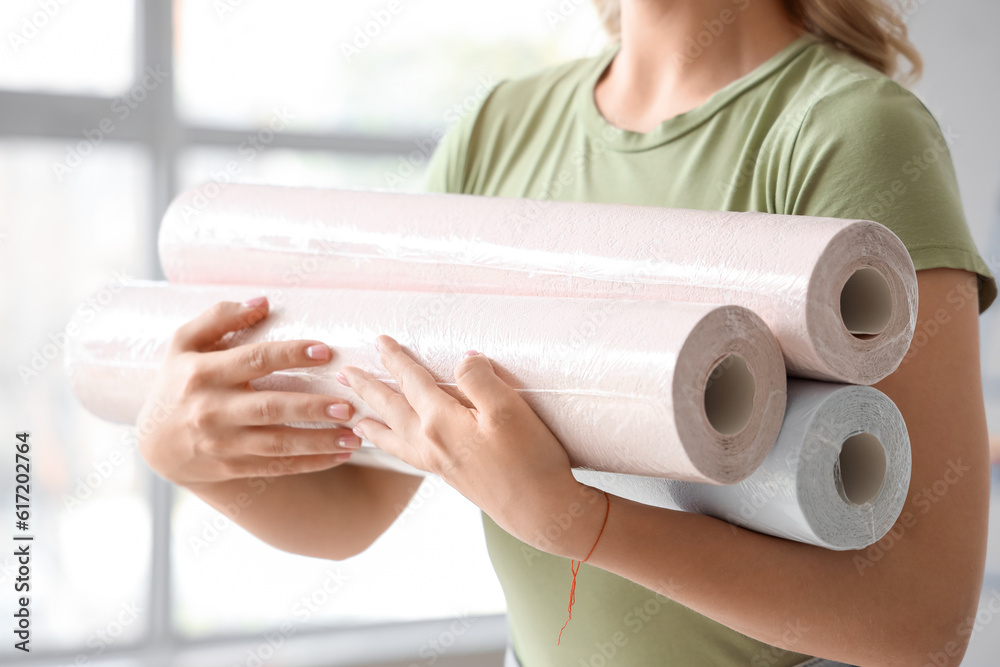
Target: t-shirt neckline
(628,140)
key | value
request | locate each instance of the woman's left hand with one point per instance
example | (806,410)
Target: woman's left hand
(498,453)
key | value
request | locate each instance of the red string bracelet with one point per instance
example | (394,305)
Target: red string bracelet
(574,567)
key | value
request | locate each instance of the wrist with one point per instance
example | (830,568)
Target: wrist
(567,521)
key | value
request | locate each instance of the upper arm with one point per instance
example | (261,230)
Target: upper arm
(872,151)
(334,513)
(940,539)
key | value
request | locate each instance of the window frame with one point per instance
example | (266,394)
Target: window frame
(156,126)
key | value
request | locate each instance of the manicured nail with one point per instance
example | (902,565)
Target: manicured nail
(470,353)
(349,442)
(342,379)
(358,432)
(318,352)
(254,302)
(338,410)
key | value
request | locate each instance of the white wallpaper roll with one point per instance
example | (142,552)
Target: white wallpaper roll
(840,295)
(686,391)
(837,477)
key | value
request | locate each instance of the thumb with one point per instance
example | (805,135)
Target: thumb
(217,321)
(476,378)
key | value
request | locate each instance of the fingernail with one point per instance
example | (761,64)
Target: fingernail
(318,352)
(358,432)
(254,302)
(349,442)
(470,353)
(338,410)
(342,379)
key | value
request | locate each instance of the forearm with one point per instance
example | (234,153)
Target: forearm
(913,593)
(334,514)
(794,596)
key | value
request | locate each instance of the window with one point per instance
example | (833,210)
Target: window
(65,239)
(109,109)
(83,48)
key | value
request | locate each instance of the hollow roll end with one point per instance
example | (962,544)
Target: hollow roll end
(859,450)
(860,471)
(729,394)
(730,387)
(862,307)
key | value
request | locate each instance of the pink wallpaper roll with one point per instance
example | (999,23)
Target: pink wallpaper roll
(840,295)
(686,391)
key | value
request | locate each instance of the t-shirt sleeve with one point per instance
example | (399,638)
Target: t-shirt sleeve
(447,171)
(872,151)
(447,165)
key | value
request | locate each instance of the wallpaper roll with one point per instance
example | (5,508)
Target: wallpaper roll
(688,391)
(840,295)
(837,477)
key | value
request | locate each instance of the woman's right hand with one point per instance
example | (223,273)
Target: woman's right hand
(217,427)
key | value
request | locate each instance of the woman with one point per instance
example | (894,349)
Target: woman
(763,105)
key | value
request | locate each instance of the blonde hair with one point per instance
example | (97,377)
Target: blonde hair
(872,31)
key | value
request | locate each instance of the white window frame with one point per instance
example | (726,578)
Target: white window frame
(156,126)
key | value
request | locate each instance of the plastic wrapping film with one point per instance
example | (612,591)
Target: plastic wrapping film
(839,295)
(688,391)
(837,476)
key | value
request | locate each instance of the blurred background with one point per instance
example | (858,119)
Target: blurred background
(108,109)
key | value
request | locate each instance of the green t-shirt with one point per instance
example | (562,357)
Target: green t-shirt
(812,131)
